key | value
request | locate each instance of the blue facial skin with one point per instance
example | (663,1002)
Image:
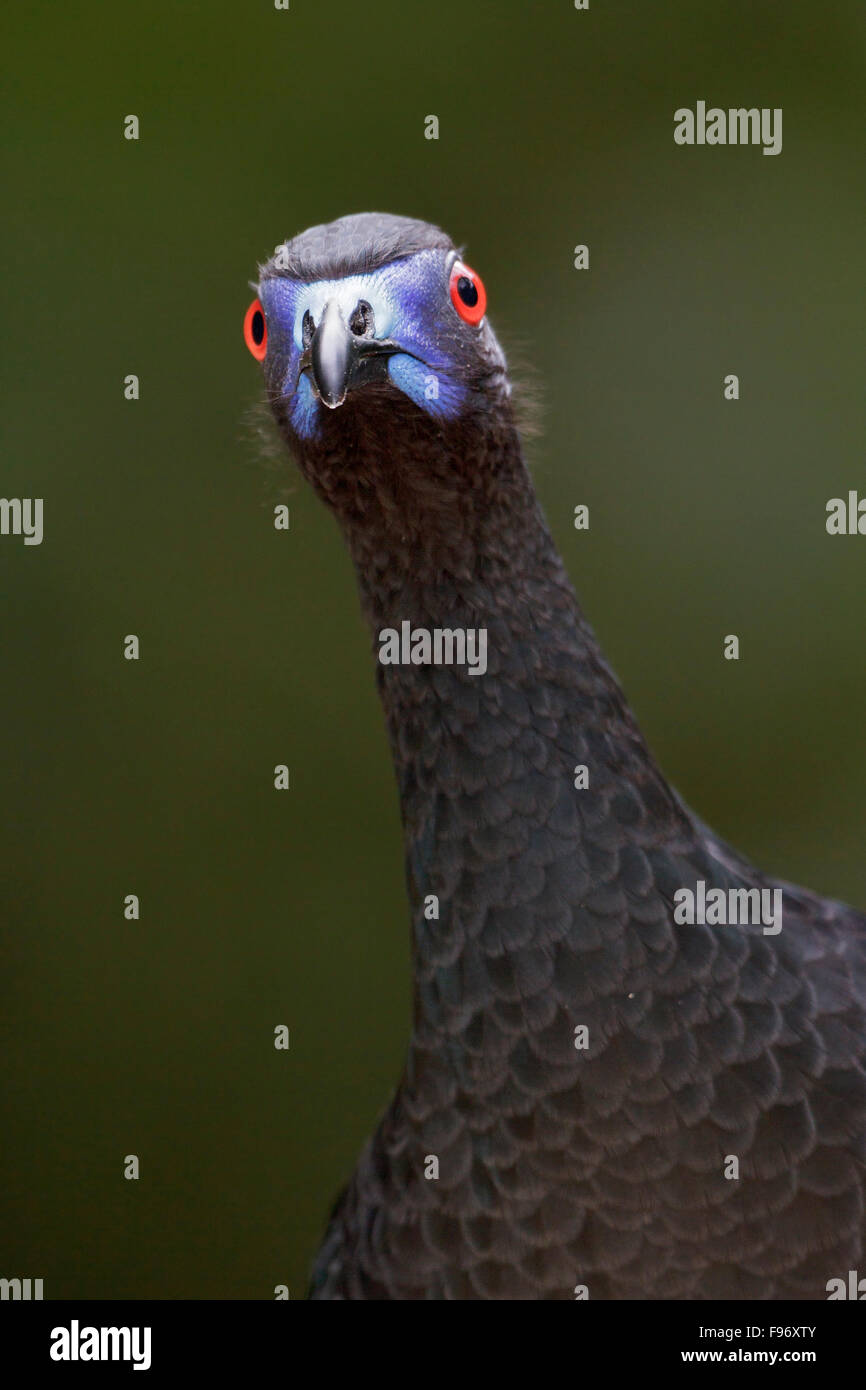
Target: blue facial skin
(411,306)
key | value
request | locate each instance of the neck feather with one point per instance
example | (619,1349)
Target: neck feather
(504,854)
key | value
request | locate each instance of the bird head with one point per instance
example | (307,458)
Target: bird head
(387,382)
(372,301)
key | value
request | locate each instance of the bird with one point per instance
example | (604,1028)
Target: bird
(637,1064)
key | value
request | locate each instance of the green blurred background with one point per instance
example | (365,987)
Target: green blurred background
(155,778)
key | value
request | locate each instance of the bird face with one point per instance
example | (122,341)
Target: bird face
(372,300)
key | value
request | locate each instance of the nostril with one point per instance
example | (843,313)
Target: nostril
(308,328)
(361,321)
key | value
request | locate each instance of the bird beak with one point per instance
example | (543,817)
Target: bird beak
(330,356)
(339,360)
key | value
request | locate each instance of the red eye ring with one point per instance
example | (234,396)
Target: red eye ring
(256,330)
(468,294)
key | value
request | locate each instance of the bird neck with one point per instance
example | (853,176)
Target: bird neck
(515,782)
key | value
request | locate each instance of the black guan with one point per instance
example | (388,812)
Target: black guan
(620,1104)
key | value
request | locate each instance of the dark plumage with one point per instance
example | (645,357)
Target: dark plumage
(354,244)
(558,1167)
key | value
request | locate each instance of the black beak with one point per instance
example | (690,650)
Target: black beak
(339,360)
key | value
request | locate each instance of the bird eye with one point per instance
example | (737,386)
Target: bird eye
(467,293)
(361,322)
(255,330)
